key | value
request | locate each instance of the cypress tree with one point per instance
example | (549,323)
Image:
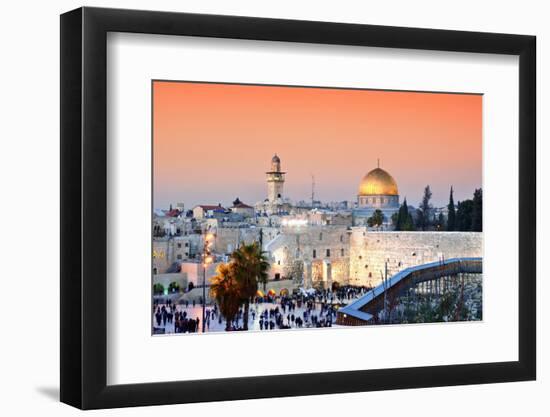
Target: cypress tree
(451,218)
(424,211)
(409,224)
(464,215)
(440,222)
(400,218)
(404,220)
(477,211)
(394,219)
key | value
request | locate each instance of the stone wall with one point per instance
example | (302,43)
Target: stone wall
(193,272)
(228,238)
(167,279)
(369,251)
(163,255)
(326,254)
(315,245)
(168,250)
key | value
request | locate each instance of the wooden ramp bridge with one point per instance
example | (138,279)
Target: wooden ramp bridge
(363,311)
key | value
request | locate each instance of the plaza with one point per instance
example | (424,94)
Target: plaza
(316,310)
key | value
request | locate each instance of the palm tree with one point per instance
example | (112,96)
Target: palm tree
(250,265)
(225,289)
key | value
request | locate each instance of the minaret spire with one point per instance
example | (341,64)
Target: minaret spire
(275,179)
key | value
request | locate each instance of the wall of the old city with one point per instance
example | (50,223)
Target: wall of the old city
(370,250)
(228,239)
(168,250)
(162,255)
(314,244)
(167,279)
(193,272)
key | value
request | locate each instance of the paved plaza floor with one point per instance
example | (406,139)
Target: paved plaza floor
(256,310)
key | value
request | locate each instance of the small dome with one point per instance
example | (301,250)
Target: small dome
(275,158)
(378,182)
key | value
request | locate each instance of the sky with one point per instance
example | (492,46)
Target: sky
(214,142)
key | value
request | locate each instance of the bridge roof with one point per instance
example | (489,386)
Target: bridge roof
(354,309)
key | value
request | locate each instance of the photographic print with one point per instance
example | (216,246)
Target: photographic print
(299,207)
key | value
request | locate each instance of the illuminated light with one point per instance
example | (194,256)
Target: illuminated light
(294,222)
(209,237)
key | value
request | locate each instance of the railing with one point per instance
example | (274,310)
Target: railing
(356,313)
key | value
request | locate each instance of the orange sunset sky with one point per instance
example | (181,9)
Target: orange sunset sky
(214,142)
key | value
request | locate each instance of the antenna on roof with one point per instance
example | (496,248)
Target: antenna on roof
(312,190)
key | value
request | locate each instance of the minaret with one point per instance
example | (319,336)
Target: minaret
(275,180)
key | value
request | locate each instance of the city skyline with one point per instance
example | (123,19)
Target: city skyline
(213,142)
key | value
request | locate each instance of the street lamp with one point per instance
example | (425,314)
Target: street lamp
(206,259)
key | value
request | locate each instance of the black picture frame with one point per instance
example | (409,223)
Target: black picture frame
(84,207)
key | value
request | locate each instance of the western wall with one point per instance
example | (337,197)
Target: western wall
(369,251)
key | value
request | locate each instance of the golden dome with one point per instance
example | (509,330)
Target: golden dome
(378,182)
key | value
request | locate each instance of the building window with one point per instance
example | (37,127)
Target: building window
(328,253)
(314,253)
(320,236)
(179,245)
(179,256)
(342,252)
(341,238)
(186,244)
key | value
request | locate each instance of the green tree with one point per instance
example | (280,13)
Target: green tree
(424,210)
(224,288)
(158,289)
(250,266)
(451,217)
(440,222)
(464,215)
(404,219)
(173,287)
(395,219)
(477,211)
(376,219)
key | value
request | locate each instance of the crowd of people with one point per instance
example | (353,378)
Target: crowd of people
(301,309)
(168,313)
(344,293)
